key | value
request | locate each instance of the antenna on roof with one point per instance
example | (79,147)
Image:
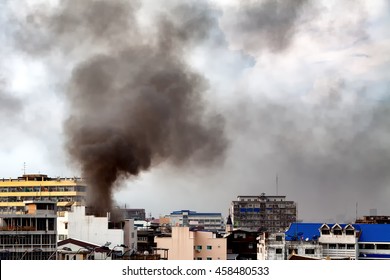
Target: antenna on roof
(356,214)
(24,168)
(277,184)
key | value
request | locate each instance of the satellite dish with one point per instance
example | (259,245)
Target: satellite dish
(307,239)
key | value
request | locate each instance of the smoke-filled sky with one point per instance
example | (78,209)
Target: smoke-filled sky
(187,104)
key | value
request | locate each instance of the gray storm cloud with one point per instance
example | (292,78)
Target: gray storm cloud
(329,151)
(10,106)
(136,102)
(263,25)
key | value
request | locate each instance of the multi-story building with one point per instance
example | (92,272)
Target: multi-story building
(38,187)
(278,246)
(263,213)
(30,234)
(187,218)
(184,244)
(329,241)
(76,224)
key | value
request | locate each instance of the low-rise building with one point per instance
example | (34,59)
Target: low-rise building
(328,241)
(241,244)
(184,244)
(74,249)
(77,225)
(281,246)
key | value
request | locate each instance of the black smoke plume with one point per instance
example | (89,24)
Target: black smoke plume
(134,101)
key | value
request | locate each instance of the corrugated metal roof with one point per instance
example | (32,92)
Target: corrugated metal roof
(303,231)
(374,232)
(310,231)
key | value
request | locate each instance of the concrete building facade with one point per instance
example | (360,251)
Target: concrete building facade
(263,213)
(187,218)
(76,224)
(274,246)
(64,191)
(31,234)
(329,241)
(184,244)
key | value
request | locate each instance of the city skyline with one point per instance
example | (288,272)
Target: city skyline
(296,90)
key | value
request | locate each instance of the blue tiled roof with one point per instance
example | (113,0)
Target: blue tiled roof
(310,231)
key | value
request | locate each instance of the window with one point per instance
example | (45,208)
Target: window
(309,251)
(337,231)
(332,246)
(383,246)
(350,246)
(325,231)
(209,258)
(278,251)
(199,247)
(341,246)
(199,258)
(209,247)
(279,238)
(239,235)
(66,225)
(349,232)
(366,246)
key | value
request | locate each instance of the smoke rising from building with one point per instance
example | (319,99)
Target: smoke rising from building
(312,107)
(135,102)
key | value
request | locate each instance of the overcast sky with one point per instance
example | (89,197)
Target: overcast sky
(244,90)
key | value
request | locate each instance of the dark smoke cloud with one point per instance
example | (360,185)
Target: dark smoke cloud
(74,26)
(134,101)
(263,25)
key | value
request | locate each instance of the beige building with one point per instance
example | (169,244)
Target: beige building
(184,244)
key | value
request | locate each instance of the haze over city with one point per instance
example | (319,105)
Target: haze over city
(185,105)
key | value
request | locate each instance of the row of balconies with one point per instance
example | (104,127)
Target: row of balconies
(43,189)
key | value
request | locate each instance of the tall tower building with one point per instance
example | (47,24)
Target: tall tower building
(263,213)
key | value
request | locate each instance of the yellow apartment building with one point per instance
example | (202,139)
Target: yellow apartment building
(39,187)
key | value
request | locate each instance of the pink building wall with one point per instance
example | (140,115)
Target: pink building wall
(183,245)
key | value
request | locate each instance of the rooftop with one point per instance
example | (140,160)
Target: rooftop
(310,231)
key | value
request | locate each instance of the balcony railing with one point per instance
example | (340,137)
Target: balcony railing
(17,228)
